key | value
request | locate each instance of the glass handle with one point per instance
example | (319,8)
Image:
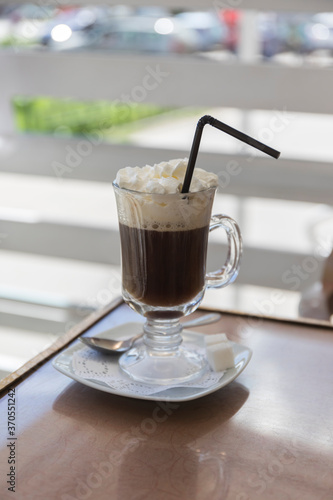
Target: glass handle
(229,272)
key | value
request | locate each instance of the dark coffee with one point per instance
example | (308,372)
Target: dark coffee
(163,268)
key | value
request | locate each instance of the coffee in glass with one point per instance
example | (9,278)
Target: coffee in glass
(164,236)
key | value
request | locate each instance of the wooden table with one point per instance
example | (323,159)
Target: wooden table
(267,435)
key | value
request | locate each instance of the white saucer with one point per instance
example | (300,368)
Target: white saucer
(63,363)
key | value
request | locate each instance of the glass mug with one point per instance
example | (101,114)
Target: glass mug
(164,241)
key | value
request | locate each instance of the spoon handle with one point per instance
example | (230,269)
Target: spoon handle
(206,319)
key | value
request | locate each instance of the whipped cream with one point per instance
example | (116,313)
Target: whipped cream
(164,178)
(155,201)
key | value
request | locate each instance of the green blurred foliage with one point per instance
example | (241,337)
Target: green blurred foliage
(68,117)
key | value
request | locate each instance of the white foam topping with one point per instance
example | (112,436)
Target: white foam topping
(155,201)
(164,178)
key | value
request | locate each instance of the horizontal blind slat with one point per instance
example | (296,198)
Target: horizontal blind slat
(166,81)
(301,180)
(74,242)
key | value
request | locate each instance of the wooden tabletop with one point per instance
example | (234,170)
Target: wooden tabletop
(267,435)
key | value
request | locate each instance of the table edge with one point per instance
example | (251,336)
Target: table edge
(38,360)
(308,322)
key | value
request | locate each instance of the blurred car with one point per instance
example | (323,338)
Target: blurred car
(95,28)
(273,34)
(318,33)
(71,23)
(152,11)
(210,29)
(149,34)
(21,24)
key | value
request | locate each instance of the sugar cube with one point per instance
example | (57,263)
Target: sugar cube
(220,356)
(215,339)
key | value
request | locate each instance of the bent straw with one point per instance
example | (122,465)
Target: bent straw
(225,128)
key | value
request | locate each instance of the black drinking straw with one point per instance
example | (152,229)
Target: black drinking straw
(225,128)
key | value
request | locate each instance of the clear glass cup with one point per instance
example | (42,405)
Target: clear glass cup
(164,241)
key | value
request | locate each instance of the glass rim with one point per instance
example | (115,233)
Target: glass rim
(132,191)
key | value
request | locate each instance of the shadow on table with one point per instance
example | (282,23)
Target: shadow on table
(88,405)
(158,449)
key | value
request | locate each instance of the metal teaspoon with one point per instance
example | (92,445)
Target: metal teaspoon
(113,346)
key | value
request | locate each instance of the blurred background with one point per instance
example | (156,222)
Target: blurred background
(88,88)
